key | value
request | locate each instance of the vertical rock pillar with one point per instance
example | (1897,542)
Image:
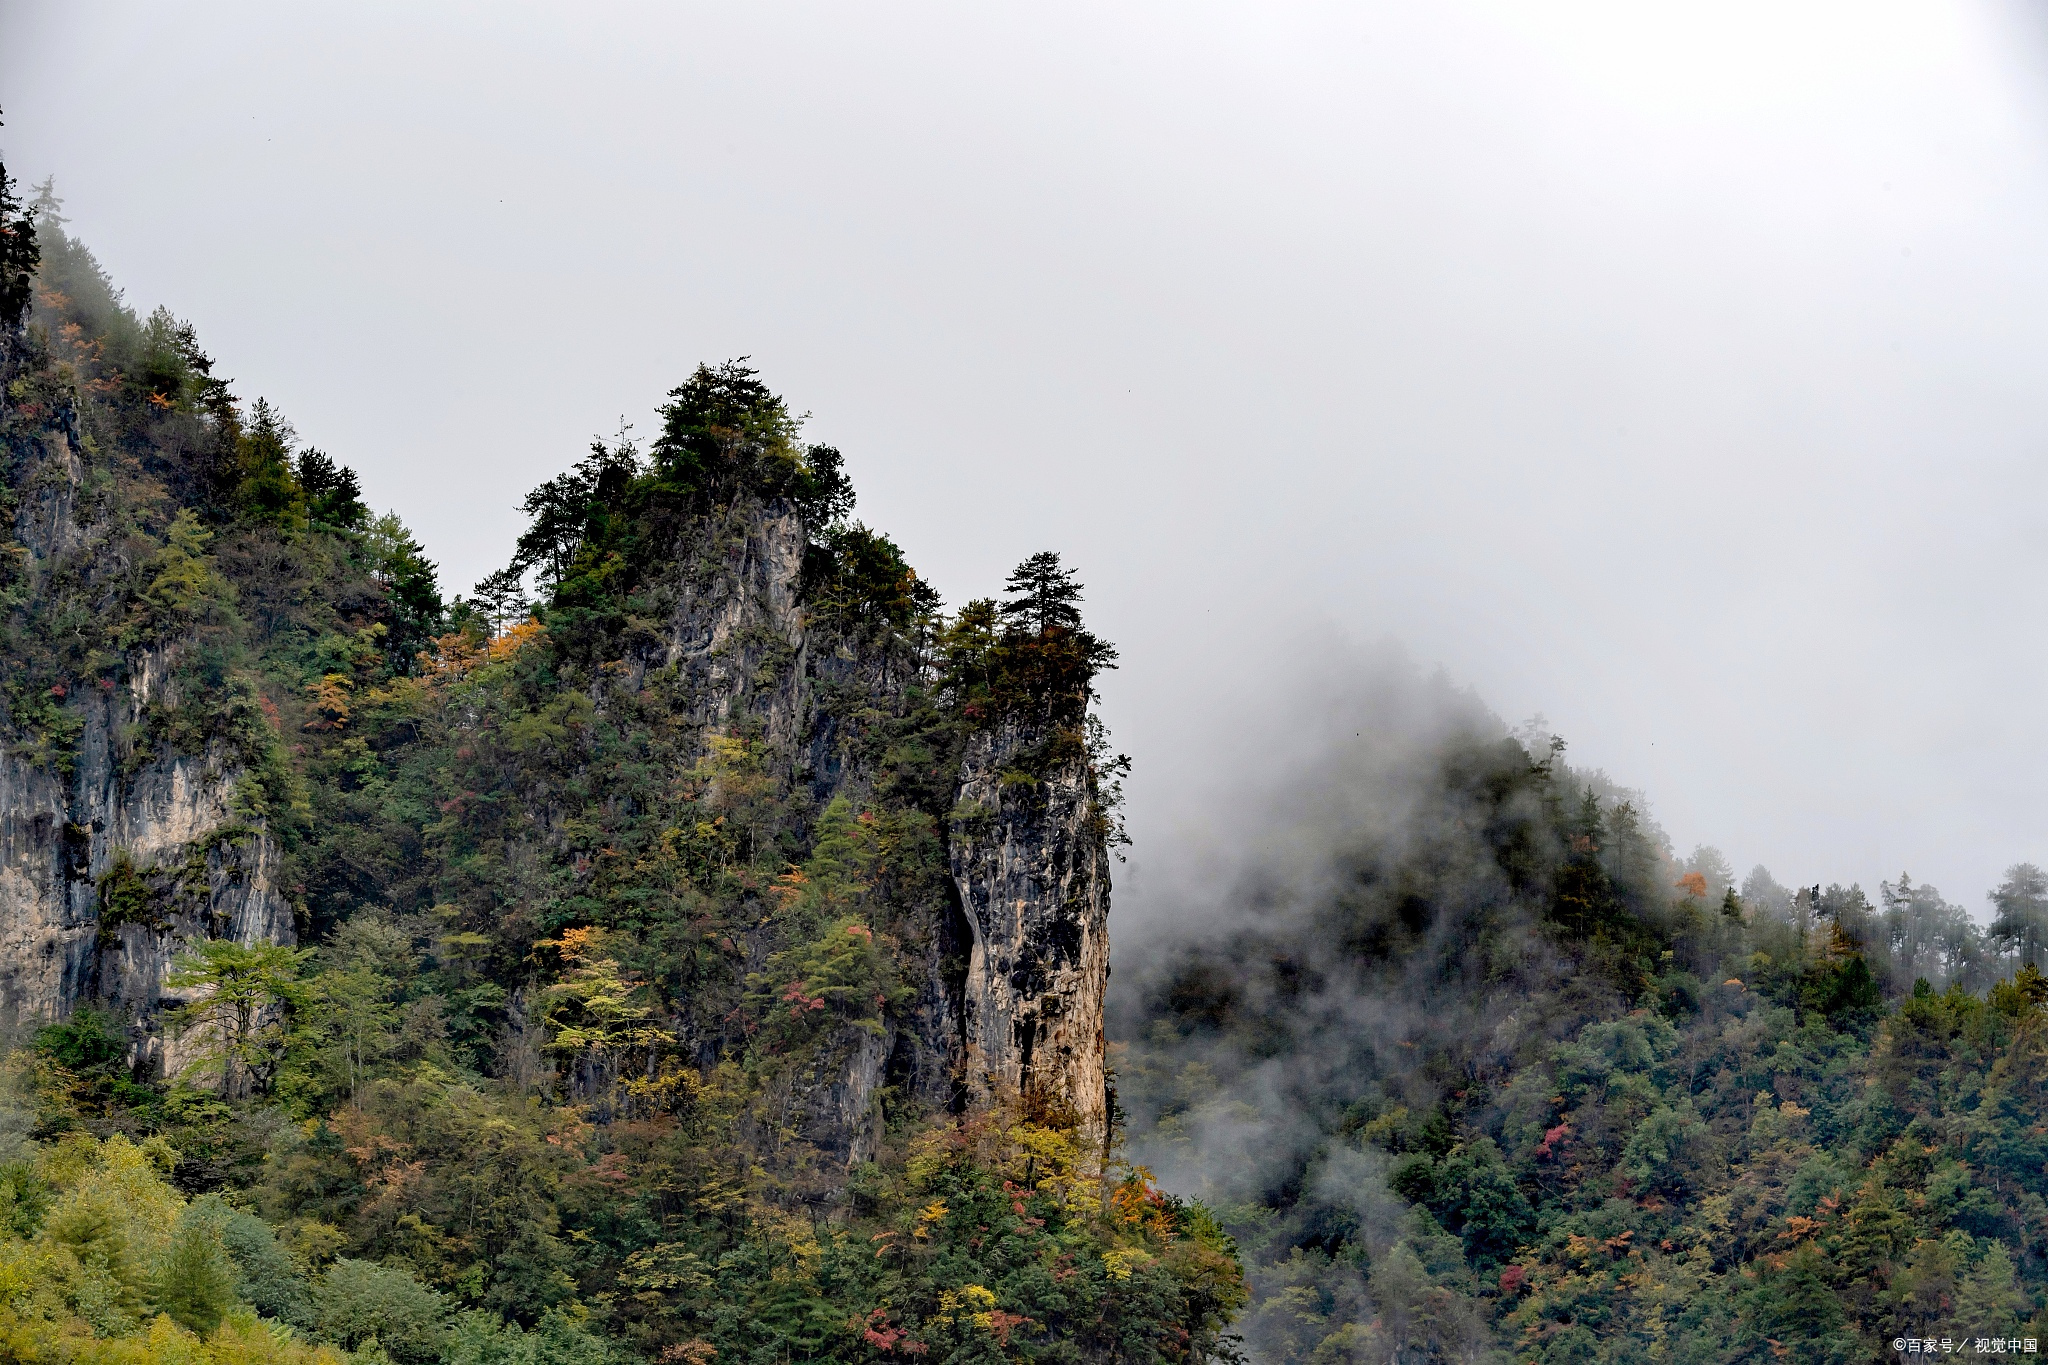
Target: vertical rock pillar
(1029,858)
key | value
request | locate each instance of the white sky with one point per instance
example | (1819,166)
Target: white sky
(1677,375)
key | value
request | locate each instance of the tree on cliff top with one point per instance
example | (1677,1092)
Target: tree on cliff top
(19,254)
(571,508)
(2022,902)
(724,432)
(1031,655)
(1046,595)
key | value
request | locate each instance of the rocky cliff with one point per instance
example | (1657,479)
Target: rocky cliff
(822,830)
(705,959)
(1029,861)
(1012,957)
(134,824)
(115,849)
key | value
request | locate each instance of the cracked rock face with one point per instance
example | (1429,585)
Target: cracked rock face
(738,634)
(1030,865)
(169,824)
(48,904)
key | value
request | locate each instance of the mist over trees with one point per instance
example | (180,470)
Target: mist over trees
(1431,1048)
(1473,1065)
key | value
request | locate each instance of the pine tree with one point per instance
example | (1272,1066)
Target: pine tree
(2022,923)
(47,209)
(334,496)
(19,255)
(574,507)
(195,1281)
(237,993)
(411,588)
(724,431)
(501,599)
(1045,595)
(267,491)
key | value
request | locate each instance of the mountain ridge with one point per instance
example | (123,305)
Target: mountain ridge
(727,912)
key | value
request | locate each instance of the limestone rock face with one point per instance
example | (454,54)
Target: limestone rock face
(737,631)
(1030,864)
(166,824)
(47,899)
(1030,924)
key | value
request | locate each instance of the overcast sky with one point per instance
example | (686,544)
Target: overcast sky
(1683,378)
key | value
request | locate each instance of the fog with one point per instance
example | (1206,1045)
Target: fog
(1675,375)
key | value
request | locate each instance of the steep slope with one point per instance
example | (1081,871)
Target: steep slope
(132,807)
(1030,864)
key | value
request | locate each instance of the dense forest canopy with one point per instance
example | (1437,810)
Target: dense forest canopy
(1457,1061)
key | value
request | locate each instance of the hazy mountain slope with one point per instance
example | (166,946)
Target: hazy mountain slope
(1474,1068)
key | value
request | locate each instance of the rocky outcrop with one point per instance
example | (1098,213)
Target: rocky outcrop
(832,1102)
(1014,970)
(1029,859)
(48,904)
(742,651)
(110,866)
(736,636)
(163,830)
(168,830)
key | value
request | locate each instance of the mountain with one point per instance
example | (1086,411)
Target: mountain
(703,960)
(692,945)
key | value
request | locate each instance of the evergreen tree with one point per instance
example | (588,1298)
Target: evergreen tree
(1715,873)
(164,376)
(195,1282)
(411,588)
(19,255)
(1761,890)
(237,993)
(1629,855)
(574,507)
(1924,935)
(47,209)
(267,492)
(1047,662)
(724,431)
(1044,595)
(968,648)
(361,1303)
(334,497)
(720,415)
(868,581)
(2022,923)
(1588,829)
(502,600)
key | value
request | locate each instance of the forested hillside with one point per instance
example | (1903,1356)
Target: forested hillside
(691,945)
(699,961)
(1474,1068)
